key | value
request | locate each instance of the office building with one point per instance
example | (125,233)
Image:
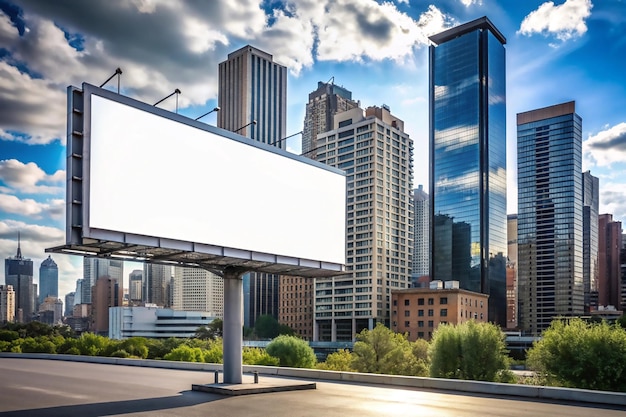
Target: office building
(511,272)
(417,312)
(253,88)
(135,283)
(623,269)
(468,161)
(155,322)
(48,279)
(550,216)
(156,279)
(94,268)
(197,289)
(51,311)
(7,304)
(376,153)
(107,292)
(70,299)
(591,199)
(328,100)
(609,266)
(296,305)
(19,274)
(421,238)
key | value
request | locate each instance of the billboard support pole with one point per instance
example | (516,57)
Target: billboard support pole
(233,324)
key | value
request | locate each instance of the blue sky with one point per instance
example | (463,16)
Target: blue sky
(557,51)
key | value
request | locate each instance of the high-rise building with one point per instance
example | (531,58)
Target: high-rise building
(328,100)
(7,303)
(623,269)
(48,279)
(108,292)
(550,216)
(468,161)
(421,236)
(197,289)
(135,282)
(156,278)
(51,311)
(19,274)
(252,87)
(296,305)
(70,299)
(591,198)
(609,266)
(94,268)
(376,153)
(511,272)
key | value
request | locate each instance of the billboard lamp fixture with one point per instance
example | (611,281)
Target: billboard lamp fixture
(207,113)
(177,92)
(117,72)
(285,138)
(244,126)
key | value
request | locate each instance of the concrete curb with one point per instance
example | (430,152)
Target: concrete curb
(491,388)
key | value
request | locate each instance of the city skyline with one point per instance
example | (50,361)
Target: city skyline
(47,46)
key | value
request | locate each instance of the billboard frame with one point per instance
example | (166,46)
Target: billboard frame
(82,239)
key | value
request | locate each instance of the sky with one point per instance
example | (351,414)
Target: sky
(557,51)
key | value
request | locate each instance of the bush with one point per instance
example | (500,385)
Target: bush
(292,351)
(576,354)
(214,352)
(338,361)
(120,354)
(134,346)
(471,350)
(185,353)
(257,356)
(72,351)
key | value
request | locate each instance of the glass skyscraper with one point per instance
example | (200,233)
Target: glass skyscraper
(550,216)
(48,279)
(468,161)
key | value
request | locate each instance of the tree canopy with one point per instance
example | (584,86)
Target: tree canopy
(470,350)
(580,354)
(292,351)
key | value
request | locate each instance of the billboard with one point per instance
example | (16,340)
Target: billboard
(148,179)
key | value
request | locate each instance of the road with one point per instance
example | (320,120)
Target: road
(32,388)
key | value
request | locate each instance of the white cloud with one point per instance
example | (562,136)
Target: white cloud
(565,21)
(54,208)
(28,178)
(468,3)
(607,147)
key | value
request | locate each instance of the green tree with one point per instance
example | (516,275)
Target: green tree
(90,344)
(581,355)
(470,350)
(266,327)
(211,331)
(338,361)
(158,348)
(257,356)
(213,352)
(382,351)
(292,351)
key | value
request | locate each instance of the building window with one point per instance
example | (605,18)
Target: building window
(431,301)
(443,300)
(420,301)
(420,323)
(431,313)
(406,302)
(406,324)
(444,312)
(407,313)
(420,335)
(431,323)
(420,313)
(395,303)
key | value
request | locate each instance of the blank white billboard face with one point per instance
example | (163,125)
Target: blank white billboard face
(153,176)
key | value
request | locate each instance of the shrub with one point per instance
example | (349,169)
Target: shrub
(292,351)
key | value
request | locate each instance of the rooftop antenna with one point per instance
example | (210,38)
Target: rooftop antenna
(19,249)
(117,72)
